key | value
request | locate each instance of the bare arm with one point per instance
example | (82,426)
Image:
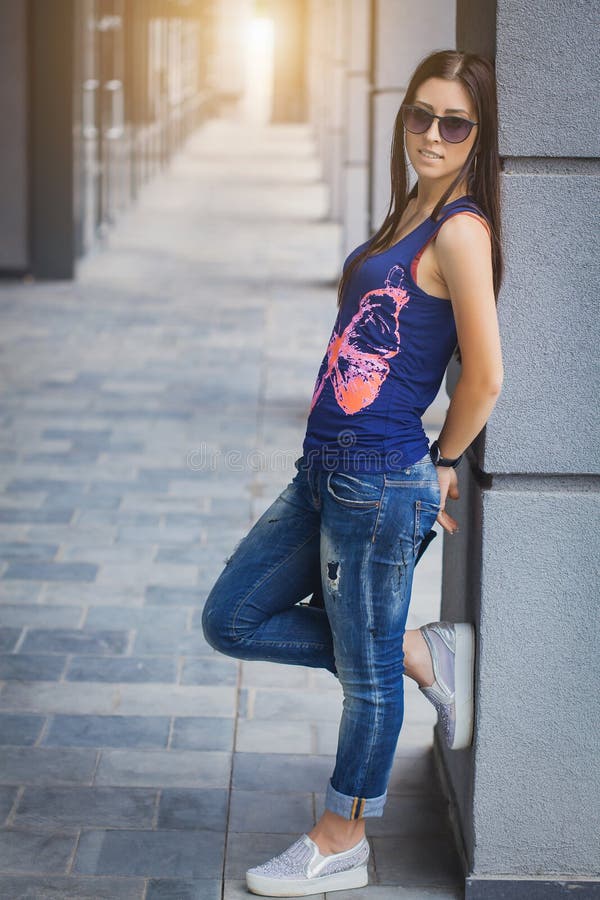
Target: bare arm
(464,258)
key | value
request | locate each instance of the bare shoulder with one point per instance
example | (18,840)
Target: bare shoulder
(463,230)
(463,250)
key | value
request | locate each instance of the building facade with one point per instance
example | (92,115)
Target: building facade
(96,95)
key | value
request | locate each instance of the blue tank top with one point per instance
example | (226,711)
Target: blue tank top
(385,360)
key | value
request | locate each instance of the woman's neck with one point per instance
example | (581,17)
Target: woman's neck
(426,200)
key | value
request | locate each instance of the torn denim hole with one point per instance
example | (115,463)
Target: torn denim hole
(333,575)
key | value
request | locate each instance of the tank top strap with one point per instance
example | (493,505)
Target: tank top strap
(462,205)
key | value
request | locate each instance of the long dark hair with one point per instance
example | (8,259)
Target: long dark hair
(481,168)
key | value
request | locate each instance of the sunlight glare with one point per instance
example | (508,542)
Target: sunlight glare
(259,70)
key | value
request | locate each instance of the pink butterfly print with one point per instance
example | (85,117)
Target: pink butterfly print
(357,358)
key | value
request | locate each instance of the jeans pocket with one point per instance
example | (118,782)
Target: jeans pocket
(355,492)
(426,513)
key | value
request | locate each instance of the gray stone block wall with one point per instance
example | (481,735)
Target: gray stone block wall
(544,421)
(536,741)
(548,78)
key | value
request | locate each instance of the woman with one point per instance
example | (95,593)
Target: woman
(368,487)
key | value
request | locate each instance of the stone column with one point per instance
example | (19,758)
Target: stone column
(356,147)
(319,78)
(14,224)
(338,120)
(52,229)
(524,567)
(327,66)
(404,31)
(289,64)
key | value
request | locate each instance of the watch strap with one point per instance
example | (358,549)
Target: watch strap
(439,460)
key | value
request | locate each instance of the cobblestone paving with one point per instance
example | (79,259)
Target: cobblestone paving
(150,411)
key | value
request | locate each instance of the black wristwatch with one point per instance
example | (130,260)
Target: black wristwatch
(438,460)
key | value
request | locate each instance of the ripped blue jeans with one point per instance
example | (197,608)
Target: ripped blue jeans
(362,532)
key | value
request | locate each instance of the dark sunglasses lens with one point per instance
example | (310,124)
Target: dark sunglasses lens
(454,129)
(416,120)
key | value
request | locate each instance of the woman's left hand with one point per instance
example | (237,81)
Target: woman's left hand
(448,480)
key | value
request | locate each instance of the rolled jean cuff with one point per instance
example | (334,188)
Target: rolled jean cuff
(353,807)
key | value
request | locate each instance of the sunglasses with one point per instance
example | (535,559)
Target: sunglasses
(453,129)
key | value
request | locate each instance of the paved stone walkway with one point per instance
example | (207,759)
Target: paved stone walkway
(150,411)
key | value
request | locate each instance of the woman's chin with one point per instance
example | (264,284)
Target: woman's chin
(427,173)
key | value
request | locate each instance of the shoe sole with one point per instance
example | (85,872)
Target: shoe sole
(463,685)
(290,887)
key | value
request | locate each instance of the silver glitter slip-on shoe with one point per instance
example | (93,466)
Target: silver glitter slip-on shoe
(302,869)
(452,648)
